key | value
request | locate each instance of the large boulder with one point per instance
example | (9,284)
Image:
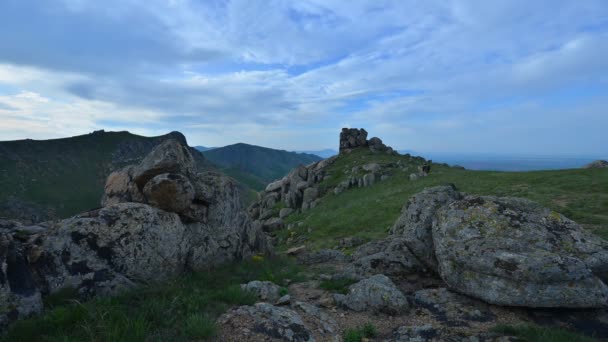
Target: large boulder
(505,251)
(414,224)
(351,138)
(266,291)
(169,157)
(514,252)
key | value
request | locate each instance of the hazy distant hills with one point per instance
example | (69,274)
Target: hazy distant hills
(43,179)
(256,166)
(326,153)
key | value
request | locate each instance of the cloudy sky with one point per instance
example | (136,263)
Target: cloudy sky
(503,76)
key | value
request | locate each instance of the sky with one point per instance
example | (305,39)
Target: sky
(468,76)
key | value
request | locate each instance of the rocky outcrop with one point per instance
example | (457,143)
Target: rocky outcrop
(160,219)
(298,191)
(505,251)
(264,290)
(598,164)
(377,294)
(352,138)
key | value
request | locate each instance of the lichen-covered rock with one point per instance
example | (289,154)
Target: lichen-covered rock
(120,188)
(19,296)
(169,157)
(170,192)
(351,138)
(377,293)
(414,223)
(514,252)
(266,291)
(263,321)
(451,308)
(392,259)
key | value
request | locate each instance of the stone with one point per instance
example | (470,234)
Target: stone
(266,321)
(414,176)
(274,186)
(393,259)
(273,224)
(120,187)
(322,256)
(284,300)
(373,167)
(328,324)
(265,291)
(513,252)
(369,179)
(283,213)
(376,145)
(310,194)
(168,157)
(451,308)
(296,250)
(414,223)
(377,293)
(170,192)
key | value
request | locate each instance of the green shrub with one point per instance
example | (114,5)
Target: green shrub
(339,285)
(357,335)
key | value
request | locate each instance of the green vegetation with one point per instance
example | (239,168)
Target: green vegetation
(368,213)
(358,334)
(256,166)
(532,333)
(339,285)
(179,310)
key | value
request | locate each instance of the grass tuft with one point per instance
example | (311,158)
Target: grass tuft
(339,285)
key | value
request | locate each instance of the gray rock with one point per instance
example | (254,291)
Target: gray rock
(284,300)
(310,194)
(283,213)
(270,321)
(326,321)
(414,176)
(384,177)
(452,309)
(514,252)
(352,138)
(322,256)
(273,224)
(414,223)
(274,186)
(369,179)
(394,259)
(170,192)
(373,167)
(264,290)
(377,293)
(169,157)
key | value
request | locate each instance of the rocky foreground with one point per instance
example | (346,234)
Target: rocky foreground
(454,266)
(159,219)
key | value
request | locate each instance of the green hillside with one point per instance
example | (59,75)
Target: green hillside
(256,166)
(58,178)
(580,194)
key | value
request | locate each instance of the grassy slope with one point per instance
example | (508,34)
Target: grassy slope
(580,194)
(257,166)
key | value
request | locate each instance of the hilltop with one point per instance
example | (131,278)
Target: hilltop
(46,179)
(256,166)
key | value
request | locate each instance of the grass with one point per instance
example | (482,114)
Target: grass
(358,334)
(532,333)
(339,285)
(368,213)
(180,310)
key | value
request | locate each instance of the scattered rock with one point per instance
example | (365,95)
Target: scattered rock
(264,321)
(296,250)
(283,213)
(265,290)
(377,293)
(284,300)
(322,256)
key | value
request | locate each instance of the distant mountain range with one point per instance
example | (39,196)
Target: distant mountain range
(256,166)
(46,179)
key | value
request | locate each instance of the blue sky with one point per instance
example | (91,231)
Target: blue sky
(500,76)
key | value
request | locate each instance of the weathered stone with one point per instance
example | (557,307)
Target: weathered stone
(414,224)
(452,309)
(274,186)
(310,194)
(369,179)
(377,293)
(328,324)
(352,138)
(266,321)
(414,177)
(598,164)
(393,259)
(273,224)
(296,250)
(514,252)
(373,167)
(264,290)
(170,192)
(120,188)
(283,213)
(169,157)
